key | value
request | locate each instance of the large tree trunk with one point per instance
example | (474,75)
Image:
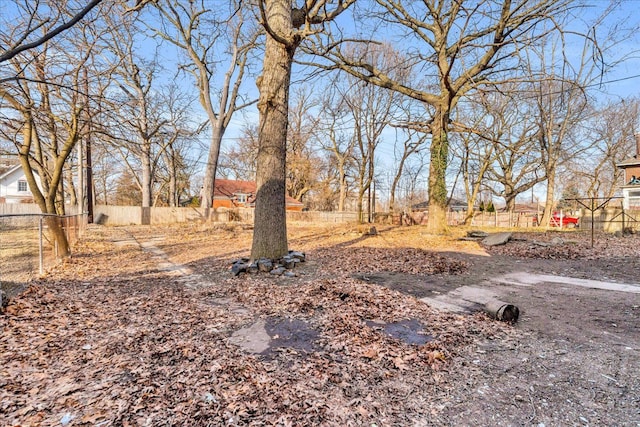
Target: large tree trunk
(437,223)
(56,231)
(510,202)
(270,222)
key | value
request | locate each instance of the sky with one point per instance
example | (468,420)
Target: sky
(620,82)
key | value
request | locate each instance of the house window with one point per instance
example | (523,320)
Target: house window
(22,186)
(241,198)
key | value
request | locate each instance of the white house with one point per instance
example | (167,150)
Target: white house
(14,187)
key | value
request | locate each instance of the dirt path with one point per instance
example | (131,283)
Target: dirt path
(576,357)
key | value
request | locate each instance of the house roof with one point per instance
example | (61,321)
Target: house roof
(229,187)
(632,161)
(8,162)
(6,171)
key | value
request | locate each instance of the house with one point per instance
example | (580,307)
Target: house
(229,193)
(631,186)
(13,184)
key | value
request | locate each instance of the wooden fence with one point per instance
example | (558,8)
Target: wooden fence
(480,219)
(131,215)
(608,220)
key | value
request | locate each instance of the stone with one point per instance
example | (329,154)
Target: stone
(253,268)
(290,274)
(477,234)
(289,263)
(253,339)
(372,231)
(265,265)
(556,241)
(238,267)
(298,255)
(496,239)
(539,243)
(278,271)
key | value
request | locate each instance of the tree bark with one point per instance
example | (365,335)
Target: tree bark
(549,204)
(437,223)
(343,191)
(270,222)
(145,160)
(212,163)
(46,204)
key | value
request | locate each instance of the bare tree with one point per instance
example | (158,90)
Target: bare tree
(413,140)
(286,27)
(561,104)
(474,152)
(461,47)
(239,161)
(372,109)
(509,155)
(609,136)
(178,135)
(44,106)
(333,136)
(204,33)
(302,164)
(410,189)
(105,172)
(137,111)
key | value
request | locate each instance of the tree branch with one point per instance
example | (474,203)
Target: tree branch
(51,34)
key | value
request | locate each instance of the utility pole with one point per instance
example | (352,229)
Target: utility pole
(80,178)
(89,181)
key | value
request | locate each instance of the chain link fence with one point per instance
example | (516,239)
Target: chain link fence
(27,249)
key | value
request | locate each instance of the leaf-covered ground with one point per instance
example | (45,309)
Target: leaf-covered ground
(115,338)
(108,339)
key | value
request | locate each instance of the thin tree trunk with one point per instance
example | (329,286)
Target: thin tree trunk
(343,190)
(173,186)
(46,204)
(550,199)
(146,176)
(73,198)
(212,164)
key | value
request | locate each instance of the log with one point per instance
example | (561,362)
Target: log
(502,311)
